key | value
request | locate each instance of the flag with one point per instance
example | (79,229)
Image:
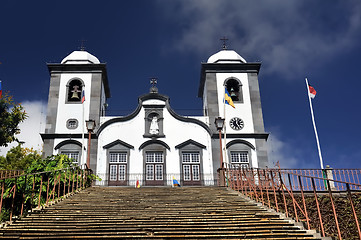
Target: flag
(227,98)
(175,183)
(1,91)
(82,96)
(137,185)
(312,92)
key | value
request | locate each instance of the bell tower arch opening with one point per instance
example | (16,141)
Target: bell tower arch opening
(234,87)
(74,90)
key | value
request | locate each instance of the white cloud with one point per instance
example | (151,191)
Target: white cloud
(289,153)
(279,151)
(289,36)
(31,127)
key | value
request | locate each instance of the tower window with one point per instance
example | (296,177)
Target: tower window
(72,124)
(74,91)
(234,87)
(240,158)
(72,155)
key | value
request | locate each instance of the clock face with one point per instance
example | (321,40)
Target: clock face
(236,123)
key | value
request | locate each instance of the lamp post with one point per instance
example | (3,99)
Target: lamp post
(90,126)
(219,122)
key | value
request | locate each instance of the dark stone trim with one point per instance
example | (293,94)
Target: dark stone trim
(244,135)
(190,141)
(229,61)
(61,68)
(67,142)
(120,142)
(90,62)
(154,96)
(237,141)
(225,67)
(149,142)
(154,106)
(140,105)
(154,136)
(66,135)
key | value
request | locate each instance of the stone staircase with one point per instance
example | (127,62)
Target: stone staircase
(154,212)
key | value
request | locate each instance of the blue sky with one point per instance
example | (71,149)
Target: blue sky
(169,40)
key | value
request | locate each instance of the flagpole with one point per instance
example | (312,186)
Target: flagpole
(314,124)
(82,134)
(225,123)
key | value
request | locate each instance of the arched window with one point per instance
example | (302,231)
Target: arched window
(74,89)
(70,148)
(234,87)
(240,153)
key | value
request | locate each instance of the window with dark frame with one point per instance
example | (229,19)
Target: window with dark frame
(240,158)
(72,155)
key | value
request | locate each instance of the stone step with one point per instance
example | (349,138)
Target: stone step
(170,234)
(158,213)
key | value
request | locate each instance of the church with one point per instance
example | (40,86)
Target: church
(154,145)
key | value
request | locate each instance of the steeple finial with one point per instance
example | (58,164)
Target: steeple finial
(154,88)
(224,39)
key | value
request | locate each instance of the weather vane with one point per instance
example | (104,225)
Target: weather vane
(224,39)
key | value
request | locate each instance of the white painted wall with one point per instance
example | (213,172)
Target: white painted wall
(132,131)
(71,111)
(241,110)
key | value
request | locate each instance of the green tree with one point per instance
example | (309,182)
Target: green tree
(50,163)
(11,115)
(18,158)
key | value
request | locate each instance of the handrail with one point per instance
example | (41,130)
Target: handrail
(295,191)
(23,193)
(10,173)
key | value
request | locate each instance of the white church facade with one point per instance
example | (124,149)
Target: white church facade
(154,144)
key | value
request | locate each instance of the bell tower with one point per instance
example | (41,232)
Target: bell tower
(78,92)
(243,135)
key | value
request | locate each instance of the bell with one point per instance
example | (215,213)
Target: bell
(75,95)
(233,93)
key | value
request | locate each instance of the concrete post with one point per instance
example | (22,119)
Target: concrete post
(329,175)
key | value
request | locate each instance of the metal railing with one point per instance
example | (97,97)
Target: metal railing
(308,195)
(23,193)
(337,177)
(10,173)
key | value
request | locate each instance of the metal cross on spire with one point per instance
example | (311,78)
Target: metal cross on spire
(82,45)
(224,39)
(154,88)
(153,81)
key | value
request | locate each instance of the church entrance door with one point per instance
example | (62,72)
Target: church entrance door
(154,168)
(118,169)
(191,168)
